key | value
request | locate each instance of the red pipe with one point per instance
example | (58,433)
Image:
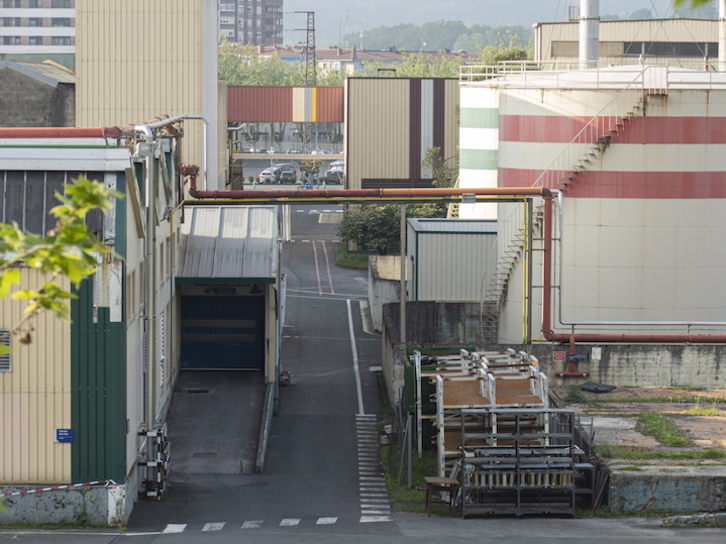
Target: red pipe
(572,338)
(60,132)
(358,193)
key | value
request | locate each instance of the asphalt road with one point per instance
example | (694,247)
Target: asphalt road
(320,485)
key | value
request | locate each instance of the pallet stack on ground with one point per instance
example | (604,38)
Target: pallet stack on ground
(492,428)
(472,380)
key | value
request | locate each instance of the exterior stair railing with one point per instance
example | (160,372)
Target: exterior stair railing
(578,155)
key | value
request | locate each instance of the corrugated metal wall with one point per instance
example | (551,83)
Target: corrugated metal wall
(453,265)
(614,33)
(391,122)
(137,60)
(98,383)
(285,104)
(35,396)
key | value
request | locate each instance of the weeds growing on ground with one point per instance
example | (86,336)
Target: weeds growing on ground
(663,429)
(609,451)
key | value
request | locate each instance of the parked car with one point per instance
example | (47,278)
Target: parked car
(294,152)
(332,176)
(267,175)
(286,175)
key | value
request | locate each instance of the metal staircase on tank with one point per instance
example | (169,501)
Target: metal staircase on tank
(578,156)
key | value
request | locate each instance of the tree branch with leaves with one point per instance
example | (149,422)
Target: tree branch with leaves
(69,250)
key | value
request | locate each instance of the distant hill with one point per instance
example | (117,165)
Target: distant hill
(334,20)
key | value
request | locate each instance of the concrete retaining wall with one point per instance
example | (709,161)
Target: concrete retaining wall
(384,285)
(432,324)
(668,489)
(98,506)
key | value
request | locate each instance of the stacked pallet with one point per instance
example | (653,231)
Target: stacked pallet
(467,380)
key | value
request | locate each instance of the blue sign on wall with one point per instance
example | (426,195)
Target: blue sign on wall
(64,435)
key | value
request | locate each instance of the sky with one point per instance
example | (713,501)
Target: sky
(334,19)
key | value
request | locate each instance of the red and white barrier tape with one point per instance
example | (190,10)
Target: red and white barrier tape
(55,488)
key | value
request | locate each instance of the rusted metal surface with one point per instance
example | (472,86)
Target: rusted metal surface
(284,104)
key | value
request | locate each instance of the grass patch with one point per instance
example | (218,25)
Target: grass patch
(609,451)
(351,260)
(574,395)
(661,400)
(663,429)
(703,411)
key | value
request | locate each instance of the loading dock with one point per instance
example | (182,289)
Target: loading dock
(228,284)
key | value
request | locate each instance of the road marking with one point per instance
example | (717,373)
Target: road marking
(175,528)
(317,268)
(213,526)
(375,519)
(289,522)
(254,524)
(326,521)
(327,267)
(354,349)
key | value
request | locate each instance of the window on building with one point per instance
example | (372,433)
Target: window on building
(35,4)
(11,21)
(61,40)
(35,40)
(11,40)
(35,21)
(250,10)
(11,3)
(258,35)
(226,7)
(671,49)
(269,21)
(273,9)
(61,21)
(61,4)
(5,359)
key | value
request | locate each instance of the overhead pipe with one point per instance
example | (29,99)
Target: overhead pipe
(192,171)
(64,132)
(573,337)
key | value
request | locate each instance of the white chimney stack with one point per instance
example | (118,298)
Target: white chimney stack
(590,33)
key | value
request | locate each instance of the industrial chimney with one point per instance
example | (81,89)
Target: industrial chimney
(590,33)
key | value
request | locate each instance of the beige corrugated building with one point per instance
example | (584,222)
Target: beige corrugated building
(391,122)
(676,42)
(138,59)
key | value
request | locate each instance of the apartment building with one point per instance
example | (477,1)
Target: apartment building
(38,30)
(258,22)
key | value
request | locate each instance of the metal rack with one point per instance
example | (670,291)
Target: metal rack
(156,463)
(521,461)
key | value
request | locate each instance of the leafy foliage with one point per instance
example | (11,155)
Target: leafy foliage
(438,36)
(69,250)
(443,170)
(239,64)
(376,227)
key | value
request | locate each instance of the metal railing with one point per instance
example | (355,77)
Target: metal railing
(598,75)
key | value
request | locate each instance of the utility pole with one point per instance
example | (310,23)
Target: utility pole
(309,49)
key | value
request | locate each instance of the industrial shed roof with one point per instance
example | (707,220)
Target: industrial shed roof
(48,72)
(229,244)
(477,226)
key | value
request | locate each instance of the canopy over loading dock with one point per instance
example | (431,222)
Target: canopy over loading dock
(227,278)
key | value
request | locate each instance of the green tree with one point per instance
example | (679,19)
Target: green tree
(69,250)
(415,65)
(642,13)
(376,227)
(693,3)
(444,170)
(239,64)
